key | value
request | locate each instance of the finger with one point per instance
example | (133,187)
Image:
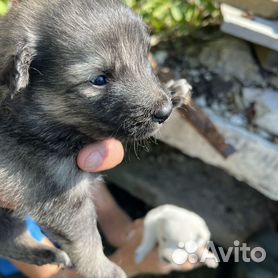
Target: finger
(138,223)
(186,266)
(165,268)
(100,156)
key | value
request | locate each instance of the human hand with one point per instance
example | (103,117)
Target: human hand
(100,156)
(125,256)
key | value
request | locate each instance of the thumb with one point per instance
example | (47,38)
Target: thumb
(100,156)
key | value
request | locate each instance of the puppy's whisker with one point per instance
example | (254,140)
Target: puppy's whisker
(135,149)
(154,138)
(115,133)
(36,70)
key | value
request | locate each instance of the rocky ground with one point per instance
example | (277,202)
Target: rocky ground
(228,78)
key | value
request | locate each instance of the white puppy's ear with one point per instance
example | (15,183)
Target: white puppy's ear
(15,74)
(149,240)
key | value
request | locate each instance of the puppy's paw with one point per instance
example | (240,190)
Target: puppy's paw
(180,90)
(51,256)
(63,259)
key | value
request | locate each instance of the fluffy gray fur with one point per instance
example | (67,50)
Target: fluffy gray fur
(49,51)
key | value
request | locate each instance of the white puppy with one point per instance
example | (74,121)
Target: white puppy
(181,236)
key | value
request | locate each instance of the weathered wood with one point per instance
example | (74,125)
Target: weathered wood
(254,29)
(201,122)
(196,117)
(265,8)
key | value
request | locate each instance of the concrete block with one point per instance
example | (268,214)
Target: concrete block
(254,162)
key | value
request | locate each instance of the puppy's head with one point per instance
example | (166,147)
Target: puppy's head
(84,63)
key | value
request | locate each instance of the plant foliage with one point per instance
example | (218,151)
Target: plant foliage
(4,6)
(176,17)
(169,18)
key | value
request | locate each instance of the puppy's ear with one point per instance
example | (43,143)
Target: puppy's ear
(16,72)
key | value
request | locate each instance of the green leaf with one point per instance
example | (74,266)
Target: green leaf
(167,18)
(176,13)
(130,3)
(189,13)
(161,11)
(3,7)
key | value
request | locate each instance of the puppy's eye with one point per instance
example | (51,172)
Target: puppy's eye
(100,80)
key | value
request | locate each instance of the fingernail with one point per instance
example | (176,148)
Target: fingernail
(93,161)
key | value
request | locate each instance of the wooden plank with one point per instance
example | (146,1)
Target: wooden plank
(254,29)
(265,8)
(201,122)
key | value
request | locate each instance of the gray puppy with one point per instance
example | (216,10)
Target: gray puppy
(71,72)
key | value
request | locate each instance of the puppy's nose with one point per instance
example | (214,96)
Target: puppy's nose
(163,113)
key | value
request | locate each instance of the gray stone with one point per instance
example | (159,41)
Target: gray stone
(266,109)
(249,94)
(201,101)
(232,210)
(268,58)
(264,134)
(231,57)
(273,81)
(160,57)
(238,120)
